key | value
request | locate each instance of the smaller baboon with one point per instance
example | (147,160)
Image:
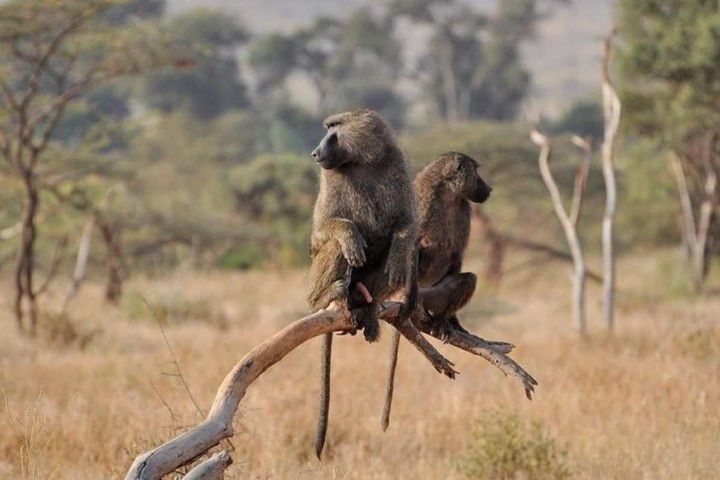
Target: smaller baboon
(364,237)
(443,191)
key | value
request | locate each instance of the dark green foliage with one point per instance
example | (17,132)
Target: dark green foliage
(671,67)
(278,192)
(212,86)
(472,68)
(584,118)
(352,63)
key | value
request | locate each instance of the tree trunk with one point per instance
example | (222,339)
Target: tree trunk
(111,237)
(579,273)
(688,219)
(707,209)
(611,109)
(24,288)
(80,263)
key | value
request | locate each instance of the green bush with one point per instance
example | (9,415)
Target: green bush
(504,447)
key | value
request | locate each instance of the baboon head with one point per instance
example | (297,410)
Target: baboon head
(356,136)
(461,173)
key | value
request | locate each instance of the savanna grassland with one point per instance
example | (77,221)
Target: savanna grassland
(81,401)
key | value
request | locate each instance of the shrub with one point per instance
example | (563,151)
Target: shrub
(502,447)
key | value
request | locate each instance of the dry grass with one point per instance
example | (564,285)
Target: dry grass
(643,404)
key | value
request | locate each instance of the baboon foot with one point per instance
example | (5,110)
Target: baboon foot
(342,307)
(455,323)
(368,321)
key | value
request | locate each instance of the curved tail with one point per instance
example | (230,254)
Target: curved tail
(389,388)
(324,407)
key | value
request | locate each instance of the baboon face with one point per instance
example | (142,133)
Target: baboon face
(356,136)
(463,178)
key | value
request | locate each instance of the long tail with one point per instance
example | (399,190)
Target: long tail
(389,388)
(324,410)
(410,292)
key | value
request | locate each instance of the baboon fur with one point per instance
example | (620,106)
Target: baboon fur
(443,190)
(364,228)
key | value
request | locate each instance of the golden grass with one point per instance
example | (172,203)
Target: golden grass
(642,404)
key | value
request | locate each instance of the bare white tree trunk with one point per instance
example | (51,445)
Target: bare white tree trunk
(611,110)
(688,218)
(80,263)
(696,236)
(571,236)
(217,426)
(707,208)
(581,177)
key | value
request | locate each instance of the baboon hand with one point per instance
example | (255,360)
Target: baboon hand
(353,249)
(397,273)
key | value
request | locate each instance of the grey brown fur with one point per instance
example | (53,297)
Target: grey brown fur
(364,228)
(443,190)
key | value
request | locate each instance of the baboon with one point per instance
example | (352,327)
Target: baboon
(364,237)
(444,190)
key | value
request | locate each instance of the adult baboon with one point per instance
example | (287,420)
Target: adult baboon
(444,190)
(364,236)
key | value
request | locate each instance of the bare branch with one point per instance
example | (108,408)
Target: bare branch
(218,423)
(211,469)
(80,263)
(581,176)
(7,94)
(570,232)
(55,43)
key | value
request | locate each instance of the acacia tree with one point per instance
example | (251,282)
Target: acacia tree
(671,90)
(52,53)
(350,62)
(472,66)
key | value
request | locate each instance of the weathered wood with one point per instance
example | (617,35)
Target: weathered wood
(611,110)
(568,227)
(211,469)
(217,425)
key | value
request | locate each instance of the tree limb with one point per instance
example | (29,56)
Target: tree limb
(211,469)
(217,425)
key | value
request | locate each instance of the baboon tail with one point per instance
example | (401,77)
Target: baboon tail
(324,410)
(394,347)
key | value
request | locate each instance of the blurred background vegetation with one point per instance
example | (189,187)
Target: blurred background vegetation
(200,155)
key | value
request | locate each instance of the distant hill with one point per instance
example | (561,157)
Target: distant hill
(563,60)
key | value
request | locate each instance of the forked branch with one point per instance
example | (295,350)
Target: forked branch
(217,425)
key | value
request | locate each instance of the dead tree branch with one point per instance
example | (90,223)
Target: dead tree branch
(217,425)
(212,468)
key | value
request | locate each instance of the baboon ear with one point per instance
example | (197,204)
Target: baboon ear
(456,163)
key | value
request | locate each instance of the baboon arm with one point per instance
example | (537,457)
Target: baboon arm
(346,233)
(401,257)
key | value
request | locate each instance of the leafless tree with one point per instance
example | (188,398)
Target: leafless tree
(611,109)
(569,227)
(701,158)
